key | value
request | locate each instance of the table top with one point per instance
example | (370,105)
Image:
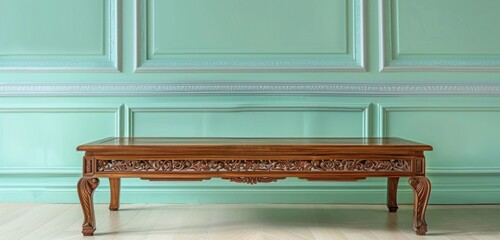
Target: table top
(114,143)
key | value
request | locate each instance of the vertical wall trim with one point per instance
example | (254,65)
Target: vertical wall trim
(137,35)
(117,42)
(126,120)
(381,120)
(119,121)
(367,112)
(381,35)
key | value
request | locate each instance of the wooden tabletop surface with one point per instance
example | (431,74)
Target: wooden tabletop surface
(131,142)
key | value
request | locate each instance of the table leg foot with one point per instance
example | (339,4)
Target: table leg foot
(392,194)
(422,188)
(421,230)
(114,184)
(86,188)
(88,231)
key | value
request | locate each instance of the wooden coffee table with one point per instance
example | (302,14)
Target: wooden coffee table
(253,160)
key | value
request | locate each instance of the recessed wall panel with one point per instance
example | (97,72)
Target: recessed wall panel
(47,138)
(440,35)
(40,29)
(249,27)
(191,35)
(58,35)
(451,27)
(462,137)
(249,122)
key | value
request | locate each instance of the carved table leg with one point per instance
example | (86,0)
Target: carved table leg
(86,187)
(114,185)
(422,189)
(392,194)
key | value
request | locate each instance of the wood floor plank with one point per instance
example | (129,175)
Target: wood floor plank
(32,219)
(171,219)
(147,217)
(235,222)
(247,222)
(15,210)
(285,222)
(324,226)
(197,224)
(117,220)
(50,229)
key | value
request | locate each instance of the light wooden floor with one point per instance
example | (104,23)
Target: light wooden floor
(247,222)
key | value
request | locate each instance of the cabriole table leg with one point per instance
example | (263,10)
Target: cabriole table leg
(422,189)
(86,187)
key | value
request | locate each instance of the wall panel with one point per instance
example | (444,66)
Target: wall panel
(40,138)
(460,134)
(464,138)
(178,35)
(251,121)
(59,35)
(439,35)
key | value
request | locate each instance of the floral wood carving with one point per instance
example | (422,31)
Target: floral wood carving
(325,165)
(253,180)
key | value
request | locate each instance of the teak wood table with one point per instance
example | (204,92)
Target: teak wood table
(253,160)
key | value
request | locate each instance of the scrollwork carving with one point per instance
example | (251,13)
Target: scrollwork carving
(205,165)
(86,187)
(421,187)
(253,180)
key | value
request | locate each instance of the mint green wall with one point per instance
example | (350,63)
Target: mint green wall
(75,71)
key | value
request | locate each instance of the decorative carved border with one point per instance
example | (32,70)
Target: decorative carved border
(254,88)
(387,63)
(112,63)
(253,180)
(356,62)
(323,165)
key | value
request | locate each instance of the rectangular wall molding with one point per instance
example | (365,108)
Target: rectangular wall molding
(68,109)
(47,172)
(43,139)
(108,60)
(228,108)
(383,109)
(237,60)
(463,135)
(394,56)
